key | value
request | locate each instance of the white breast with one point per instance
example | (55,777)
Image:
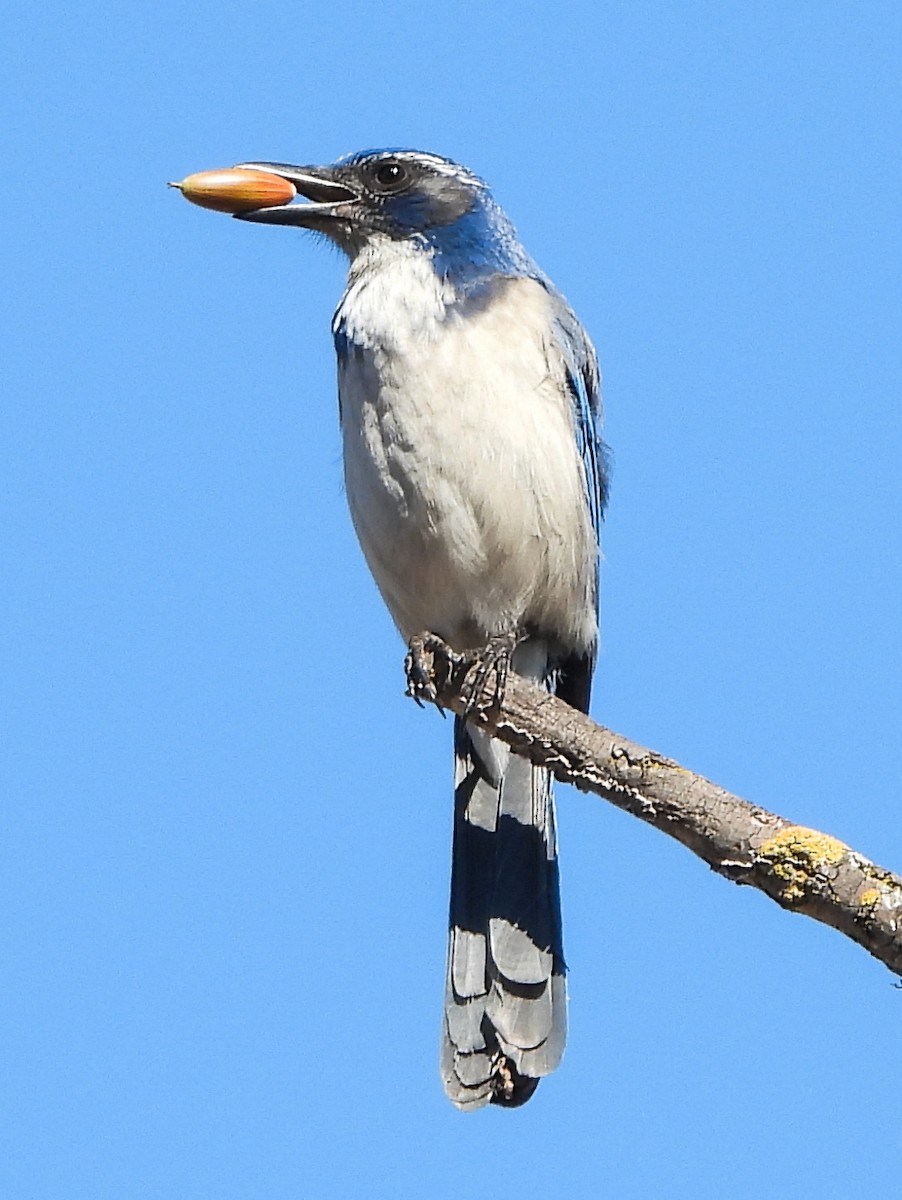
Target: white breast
(463,476)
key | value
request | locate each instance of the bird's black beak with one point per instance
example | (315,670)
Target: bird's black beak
(323,195)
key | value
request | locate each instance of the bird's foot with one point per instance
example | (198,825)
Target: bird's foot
(433,669)
(493,658)
(429,661)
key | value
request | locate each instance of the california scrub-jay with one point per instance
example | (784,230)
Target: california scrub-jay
(469,398)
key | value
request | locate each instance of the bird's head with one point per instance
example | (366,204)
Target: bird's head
(400,195)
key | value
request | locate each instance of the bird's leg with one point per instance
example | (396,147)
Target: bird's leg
(427,658)
(431,665)
(495,657)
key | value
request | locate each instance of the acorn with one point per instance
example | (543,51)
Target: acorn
(236,189)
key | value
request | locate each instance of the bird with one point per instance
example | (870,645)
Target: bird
(476,479)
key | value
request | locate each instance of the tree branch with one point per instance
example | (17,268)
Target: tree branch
(802,870)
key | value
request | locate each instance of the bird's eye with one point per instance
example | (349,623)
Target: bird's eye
(391,176)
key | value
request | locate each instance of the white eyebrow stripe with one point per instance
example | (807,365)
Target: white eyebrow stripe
(442,166)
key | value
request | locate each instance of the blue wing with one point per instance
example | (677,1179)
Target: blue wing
(584,383)
(585,392)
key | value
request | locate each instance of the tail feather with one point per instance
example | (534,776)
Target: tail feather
(505,997)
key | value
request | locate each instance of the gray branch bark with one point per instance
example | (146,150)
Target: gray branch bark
(801,869)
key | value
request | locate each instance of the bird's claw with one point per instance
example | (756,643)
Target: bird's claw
(494,657)
(431,666)
(419,667)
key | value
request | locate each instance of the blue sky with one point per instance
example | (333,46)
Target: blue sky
(225,832)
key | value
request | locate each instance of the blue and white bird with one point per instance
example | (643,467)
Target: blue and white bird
(469,397)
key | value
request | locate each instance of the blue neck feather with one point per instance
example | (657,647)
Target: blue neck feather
(476,247)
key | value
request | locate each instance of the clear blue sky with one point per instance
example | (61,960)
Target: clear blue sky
(224,832)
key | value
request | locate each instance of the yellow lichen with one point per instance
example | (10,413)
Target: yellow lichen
(869,897)
(797,855)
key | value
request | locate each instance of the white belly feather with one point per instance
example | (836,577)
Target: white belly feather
(463,476)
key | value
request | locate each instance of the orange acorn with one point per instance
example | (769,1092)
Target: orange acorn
(236,189)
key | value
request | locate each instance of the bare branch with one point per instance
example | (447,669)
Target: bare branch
(802,870)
